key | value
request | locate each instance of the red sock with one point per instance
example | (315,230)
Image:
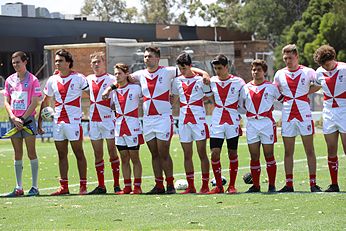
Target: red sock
(216,165)
(333,169)
(255,167)
(205,180)
(127,183)
(100,167)
(115,167)
(312,180)
(271,170)
(190,177)
(170,180)
(233,170)
(82,182)
(289,180)
(159,182)
(137,182)
(64,183)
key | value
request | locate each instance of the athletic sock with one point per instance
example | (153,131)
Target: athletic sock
(255,167)
(289,180)
(64,183)
(271,170)
(159,182)
(100,168)
(82,182)
(127,184)
(333,169)
(233,170)
(312,180)
(18,169)
(190,177)
(216,166)
(115,168)
(137,182)
(205,180)
(34,172)
(170,180)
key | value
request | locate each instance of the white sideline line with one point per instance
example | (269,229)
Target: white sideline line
(183,174)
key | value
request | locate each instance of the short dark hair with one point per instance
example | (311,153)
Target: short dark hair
(184,59)
(220,59)
(323,54)
(67,55)
(20,54)
(154,50)
(260,62)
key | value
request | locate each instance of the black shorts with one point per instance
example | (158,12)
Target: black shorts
(124,147)
(232,143)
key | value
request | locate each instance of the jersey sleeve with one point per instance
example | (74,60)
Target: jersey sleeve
(48,89)
(84,83)
(7,91)
(36,89)
(312,75)
(207,90)
(137,75)
(175,90)
(173,72)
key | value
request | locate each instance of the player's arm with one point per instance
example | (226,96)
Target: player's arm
(314,88)
(45,103)
(204,74)
(108,90)
(15,120)
(34,102)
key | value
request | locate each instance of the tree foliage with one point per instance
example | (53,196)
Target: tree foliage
(110,10)
(323,22)
(157,11)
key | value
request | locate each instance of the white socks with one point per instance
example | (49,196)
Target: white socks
(18,169)
(34,172)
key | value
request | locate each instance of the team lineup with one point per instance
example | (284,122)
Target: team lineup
(114,118)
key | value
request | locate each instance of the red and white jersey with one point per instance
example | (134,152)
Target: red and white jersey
(191,91)
(126,100)
(294,86)
(333,85)
(100,109)
(226,96)
(67,92)
(156,87)
(258,100)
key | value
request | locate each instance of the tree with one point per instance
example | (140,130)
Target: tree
(109,10)
(157,11)
(305,33)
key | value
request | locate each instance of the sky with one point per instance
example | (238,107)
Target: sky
(74,6)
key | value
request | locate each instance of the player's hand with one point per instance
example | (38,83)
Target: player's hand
(105,94)
(18,123)
(40,130)
(206,79)
(131,79)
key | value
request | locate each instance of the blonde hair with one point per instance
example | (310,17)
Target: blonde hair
(290,48)
(98,54)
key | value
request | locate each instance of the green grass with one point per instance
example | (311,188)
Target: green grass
(297,211)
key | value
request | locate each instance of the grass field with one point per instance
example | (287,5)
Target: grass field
(297,211)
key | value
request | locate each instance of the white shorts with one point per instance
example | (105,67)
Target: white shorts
(70,132)
(262,130)
(101,130)
(295,128)
(225,131)
(158,126)
(333,120)
(190,132)
(129,141)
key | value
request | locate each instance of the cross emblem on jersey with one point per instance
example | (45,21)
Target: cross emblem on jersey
(151,87)
(189,117)
(122,99)
(93,100)
(256,98)
(223,93)
(63,90)
(331,84)
(293,85)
